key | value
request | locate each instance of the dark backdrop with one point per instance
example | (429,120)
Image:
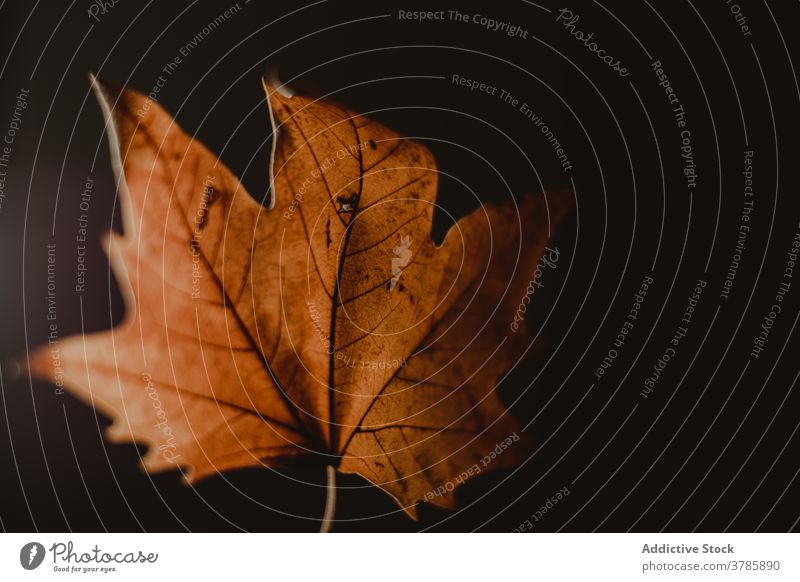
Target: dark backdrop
(713,447)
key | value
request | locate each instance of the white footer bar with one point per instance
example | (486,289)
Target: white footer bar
(401,557)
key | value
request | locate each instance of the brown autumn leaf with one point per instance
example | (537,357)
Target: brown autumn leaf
(225,358)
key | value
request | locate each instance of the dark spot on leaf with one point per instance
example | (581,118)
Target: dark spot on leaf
(372,144)
(328,233)
(208,198)
(401,287)
(347,202)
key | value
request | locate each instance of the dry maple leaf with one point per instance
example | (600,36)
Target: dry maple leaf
(328,324)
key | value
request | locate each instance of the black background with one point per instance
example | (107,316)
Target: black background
(713,448)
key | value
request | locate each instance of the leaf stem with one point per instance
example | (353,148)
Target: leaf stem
(330,501)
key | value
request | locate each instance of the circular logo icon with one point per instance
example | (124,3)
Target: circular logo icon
(31,555)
